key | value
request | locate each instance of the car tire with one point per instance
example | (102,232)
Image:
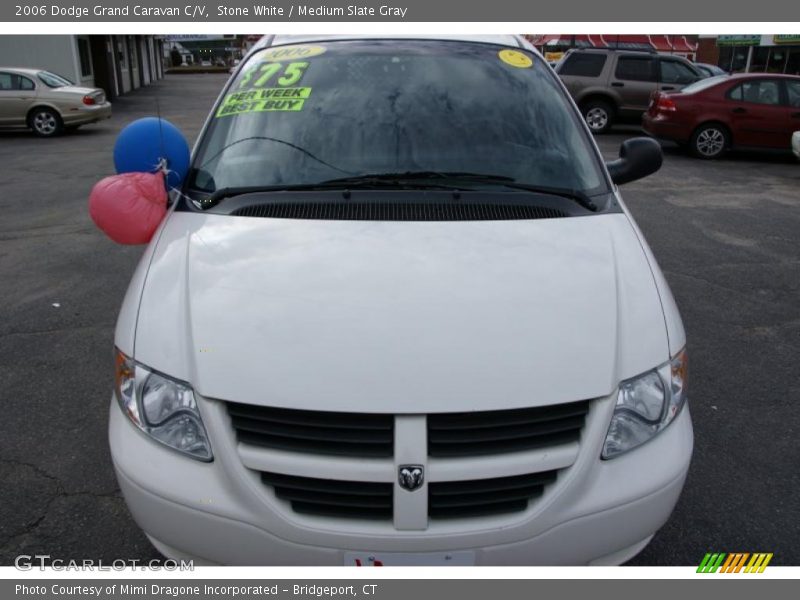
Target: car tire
(45,122)
(709,141)
(599,115)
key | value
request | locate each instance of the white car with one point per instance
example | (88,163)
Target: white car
(47,103)
(401,315)
(796,143)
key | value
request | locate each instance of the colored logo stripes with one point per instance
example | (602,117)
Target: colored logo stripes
(735,562)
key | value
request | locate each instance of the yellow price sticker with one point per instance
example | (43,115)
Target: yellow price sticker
(283,53)
(516,59)
(264,100)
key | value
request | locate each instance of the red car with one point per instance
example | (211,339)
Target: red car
(749,110)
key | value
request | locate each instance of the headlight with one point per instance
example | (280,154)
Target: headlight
(645,405)
(161,407)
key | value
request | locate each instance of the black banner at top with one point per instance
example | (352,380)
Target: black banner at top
(150,11)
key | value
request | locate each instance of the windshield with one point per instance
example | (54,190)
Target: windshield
(52,80)
(303,114)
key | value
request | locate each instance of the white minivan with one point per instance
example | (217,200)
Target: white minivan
(399,314)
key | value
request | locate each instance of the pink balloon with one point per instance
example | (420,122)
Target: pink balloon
(129,207)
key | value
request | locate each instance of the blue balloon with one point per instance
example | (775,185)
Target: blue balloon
(143,144)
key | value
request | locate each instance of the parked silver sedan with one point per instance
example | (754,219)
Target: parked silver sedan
(48,103)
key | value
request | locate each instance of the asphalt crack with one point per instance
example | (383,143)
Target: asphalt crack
(59,493)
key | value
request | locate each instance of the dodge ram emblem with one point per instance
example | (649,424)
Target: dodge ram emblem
(410,476)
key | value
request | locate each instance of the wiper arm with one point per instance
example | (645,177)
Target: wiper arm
(578,196)
(344,183)
(412,179)
(411,176)
(467,177)
(229,192)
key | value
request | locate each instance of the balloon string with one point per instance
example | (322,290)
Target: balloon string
(162,164)
(180,194)
(162,168)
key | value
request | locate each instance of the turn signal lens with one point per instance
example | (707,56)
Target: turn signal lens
(646,405)
(161,407)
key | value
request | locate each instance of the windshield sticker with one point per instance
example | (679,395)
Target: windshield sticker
(283,53)
(264,73)
(516,59)
(264,100)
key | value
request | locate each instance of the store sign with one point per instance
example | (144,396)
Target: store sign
(786,39)
(194,38)
(738,40)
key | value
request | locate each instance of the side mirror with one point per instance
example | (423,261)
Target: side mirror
(796,143)
(638,157)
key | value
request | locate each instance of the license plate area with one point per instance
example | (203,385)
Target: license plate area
(461,558)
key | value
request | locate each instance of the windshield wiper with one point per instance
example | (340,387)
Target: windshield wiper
(576,195)
(455,176)
(451,180)
(418,177)
(229,192)
(343,184)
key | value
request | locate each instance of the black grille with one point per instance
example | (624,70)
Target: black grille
(333,498)
(493,432)
(363,211)
(318,432)
(482,497)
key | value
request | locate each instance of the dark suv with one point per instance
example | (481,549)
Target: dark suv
(615,84)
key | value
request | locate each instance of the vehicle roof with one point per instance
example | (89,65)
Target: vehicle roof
(498,40)
(761,76)
(620,50)
(23,70)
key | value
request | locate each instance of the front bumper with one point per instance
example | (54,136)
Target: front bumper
(603,512)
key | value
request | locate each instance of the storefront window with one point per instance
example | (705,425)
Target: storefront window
(758,63)
(733,59)
(793,61)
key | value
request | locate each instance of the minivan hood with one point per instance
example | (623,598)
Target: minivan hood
(400,317)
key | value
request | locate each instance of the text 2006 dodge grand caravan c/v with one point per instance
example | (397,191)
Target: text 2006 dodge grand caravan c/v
(400,315)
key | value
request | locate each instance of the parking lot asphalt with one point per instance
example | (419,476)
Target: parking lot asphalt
(726,233)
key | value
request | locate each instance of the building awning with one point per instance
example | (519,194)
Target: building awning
(597,40)
(541,40)
(627,41)
(672,43)
(688,45)
(566,39)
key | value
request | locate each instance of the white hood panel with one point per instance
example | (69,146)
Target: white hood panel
(400,317)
